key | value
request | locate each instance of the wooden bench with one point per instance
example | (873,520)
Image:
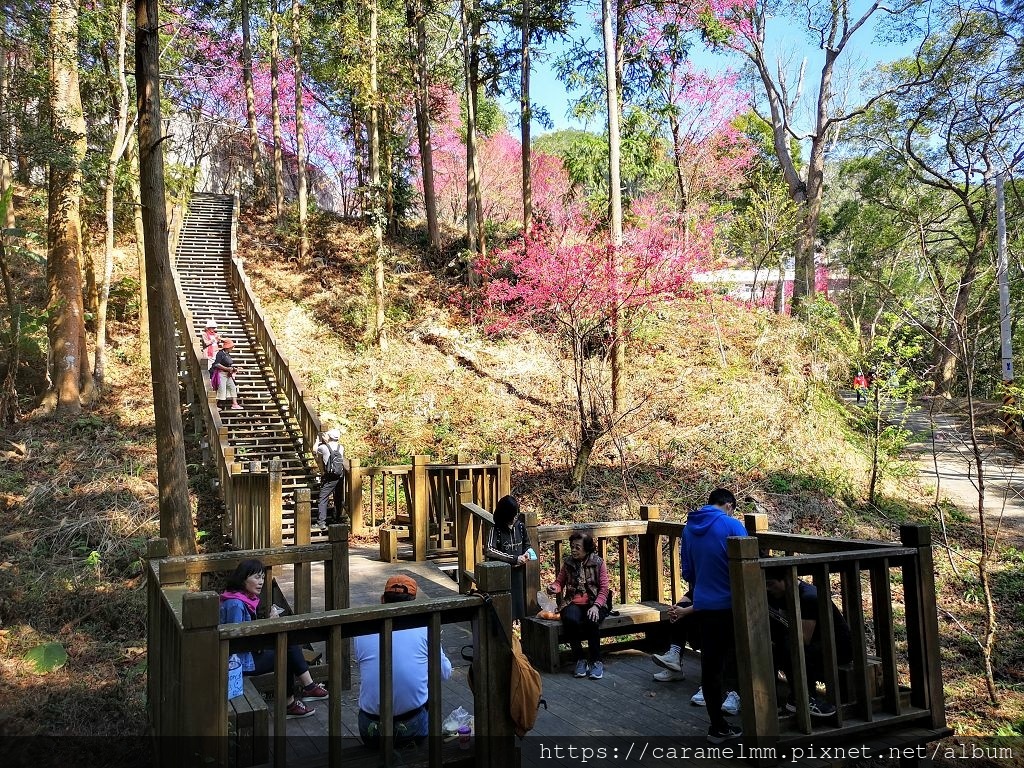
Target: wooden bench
(249,717)
(542,638)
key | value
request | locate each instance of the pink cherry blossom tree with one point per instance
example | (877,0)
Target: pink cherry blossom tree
(565,280)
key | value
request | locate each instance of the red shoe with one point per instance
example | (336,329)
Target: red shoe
(298,710)
(313,693)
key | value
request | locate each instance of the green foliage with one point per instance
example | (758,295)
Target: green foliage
(47,658)
(490,118)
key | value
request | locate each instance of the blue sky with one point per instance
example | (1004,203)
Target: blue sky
(863,54)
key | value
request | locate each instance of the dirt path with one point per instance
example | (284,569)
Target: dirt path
(941,450)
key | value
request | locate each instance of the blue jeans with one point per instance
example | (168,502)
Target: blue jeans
(264,662)
(410,731)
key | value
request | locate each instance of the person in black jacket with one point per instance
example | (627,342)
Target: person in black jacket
(508,542)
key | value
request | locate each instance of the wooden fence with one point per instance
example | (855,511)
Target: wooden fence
(419,500)
(887,594)
(188,652)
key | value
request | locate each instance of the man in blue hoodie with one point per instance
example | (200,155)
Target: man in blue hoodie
(705,565)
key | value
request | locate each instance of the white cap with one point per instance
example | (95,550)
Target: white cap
(211,323)
(334,434)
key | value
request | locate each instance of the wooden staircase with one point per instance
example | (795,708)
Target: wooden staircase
(264,429)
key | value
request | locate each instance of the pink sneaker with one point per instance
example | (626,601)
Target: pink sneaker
(236,407)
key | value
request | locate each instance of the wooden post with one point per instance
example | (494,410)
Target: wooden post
(504,475)
(755,523)
(303,572)
(492,664)
(204,678)
(156,550)
(418,519)
(923,649)
(652,583)
(464,543)
(531,577)
(753,651)
(336,589)
(355,497)
(275,522)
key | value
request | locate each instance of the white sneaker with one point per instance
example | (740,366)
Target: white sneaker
(668,660)
(668,676)
(731,705)
(698,698)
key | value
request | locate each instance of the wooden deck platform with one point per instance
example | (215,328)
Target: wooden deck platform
(625,713)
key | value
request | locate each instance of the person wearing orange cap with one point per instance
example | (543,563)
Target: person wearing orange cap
(224,367)
(410,657)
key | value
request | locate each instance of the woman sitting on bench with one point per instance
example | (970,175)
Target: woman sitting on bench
(584,579)
(239,602)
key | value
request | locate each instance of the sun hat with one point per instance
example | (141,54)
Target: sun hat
(401,584)
(334,434)
(227,343)
(211,323)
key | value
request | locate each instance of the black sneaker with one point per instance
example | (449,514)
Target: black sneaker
(718,735)
(818,707)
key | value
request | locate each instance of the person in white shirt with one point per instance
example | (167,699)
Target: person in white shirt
(410,655)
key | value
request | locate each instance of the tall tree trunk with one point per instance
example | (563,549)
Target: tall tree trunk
(387,169)
(275,110)
(9,410)
(175,512)
(614,195)
(525,116)
(259,180)
(300,130)
(376,201)
(117,149)
(66,326)
(472,182)
(140,252)
(422,77)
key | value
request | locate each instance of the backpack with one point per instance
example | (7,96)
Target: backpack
(525,699)
(335,464)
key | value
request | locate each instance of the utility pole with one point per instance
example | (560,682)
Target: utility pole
(1005,330)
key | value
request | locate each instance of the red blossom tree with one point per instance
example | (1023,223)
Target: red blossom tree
(563,279)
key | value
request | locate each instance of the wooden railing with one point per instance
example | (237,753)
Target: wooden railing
(642,556)
(874,580)
(422,499)
(189,653)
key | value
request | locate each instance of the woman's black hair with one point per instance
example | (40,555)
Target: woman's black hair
(236,581)
(505,511)
(586,537)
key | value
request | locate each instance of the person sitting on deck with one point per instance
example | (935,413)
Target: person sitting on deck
(776,580)
(240,602)
(584,578)
(410,658)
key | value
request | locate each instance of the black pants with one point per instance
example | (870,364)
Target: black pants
(718,651)
(579,627)
(329,486)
